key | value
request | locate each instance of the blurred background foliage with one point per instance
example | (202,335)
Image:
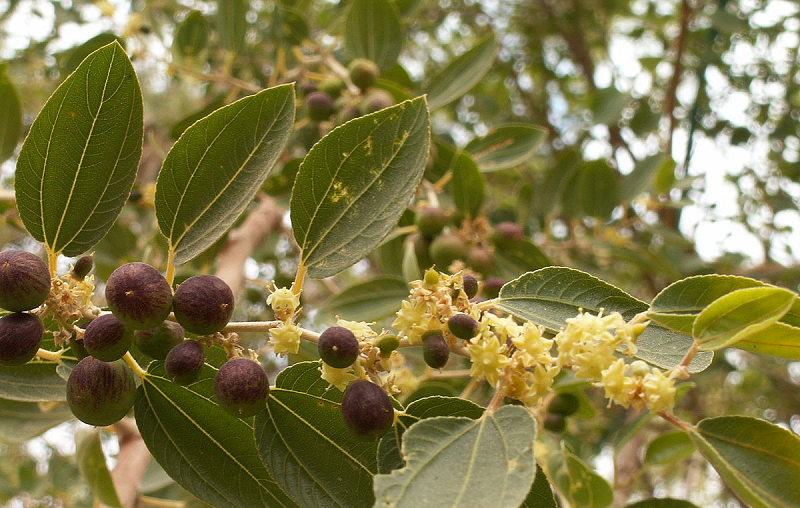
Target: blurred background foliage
(670,148)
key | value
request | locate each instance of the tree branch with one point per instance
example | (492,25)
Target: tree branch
(678,49)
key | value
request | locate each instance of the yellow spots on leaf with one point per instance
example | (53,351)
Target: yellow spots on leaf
(368,145)
(339,192)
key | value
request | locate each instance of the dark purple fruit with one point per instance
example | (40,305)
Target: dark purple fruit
(139,296)
(184,362)
(447,248)
(241,387)
(82,267)
(491,287)
(564,404)
(507,234)
(480,260)
(555,422)
(366,409)
(20,336)
(435,350)
(431,220)
(107,339)
(363,73)
(462,326)
(387,344)
(338,347)
(470,286)
(203,304)
(24,281)
(100,393)
(319,105)
(376,100)
(158,342)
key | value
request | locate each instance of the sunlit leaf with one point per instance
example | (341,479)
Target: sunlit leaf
(367,301)
(669,447)
(506,146)
(20,421)
(92,464)
(373,31)
(10,115)
(32,382)
(232,24)
(467,184)
(461,74)
(577,482)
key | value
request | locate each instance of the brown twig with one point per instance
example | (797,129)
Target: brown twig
(678,49)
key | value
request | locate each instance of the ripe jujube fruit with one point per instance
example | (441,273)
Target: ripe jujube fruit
(184,362)
(462,326)
(507,234)
(107,339)
(24,281)
(203,304)
(319,105)
(470,285)
(564,404)
(138,295)
(241,387)
(20,336)
(435,350)
(366,409)
(363,73)
(338,347)
(157,342)
(100,393)
(82,267)
(447,248)
(480,260)
(430,220)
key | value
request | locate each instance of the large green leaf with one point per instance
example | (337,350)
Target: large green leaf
(552,295)
(778,339)
(207,451)
(468,463)
(669,447)
(740,314)
(367,301)
(591,189)
(32,382)
(77,164)
(10,115)
(522,257)
(467,184)
(306,446)
(232,24)
(460,75)
(578,483)
(373,31)
(216,167)
(20,421)
(192,35)
(506,146)
(759,461)
(354,185)
(643,177)
(541,494)
(92,464)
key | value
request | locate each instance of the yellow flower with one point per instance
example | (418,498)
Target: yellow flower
(409,315)
(488,358)
(339,378)
(532,347)
(283,302)
(616,383)
(658,391)
(285,338)
(360,329)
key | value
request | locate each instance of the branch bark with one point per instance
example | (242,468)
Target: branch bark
(678,50)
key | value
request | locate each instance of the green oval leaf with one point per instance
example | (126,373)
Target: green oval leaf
(778,339)
(192,35)
(643,177)
(467,184)
(306,446)
(10,115)
(232,24)
(577,482)
(669,447)
(506,146)
(373,31)
(77,164)
(20,421)
(354,185)
(92,464)
(552,295)
(410,264)
(517,259)
(740,314)
(486,462)
(759,461)
(32,382)
(216,167)
(541,494)
(460,75)
(204,449)
(591,189)
(367,301)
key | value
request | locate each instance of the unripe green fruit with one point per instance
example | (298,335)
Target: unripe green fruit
(203,304)
(462,326)
(480,260)
(447,248)
(241,387)
(332,87)
(555,422)
(107,339)
(184,362)
(507,234)
(431,278)
(338,347)
(470,286)
(138,295)
(320,106)
(492,287)
(435,350)
(431,220)
(363,73)
(367,410)
(387,344)
(100,393)
(376,100)
(24,281)
(564,404)
(82,267)
(158,342)
(20,336)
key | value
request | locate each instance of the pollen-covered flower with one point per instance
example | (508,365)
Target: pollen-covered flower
(285,338)
(409,315)
(339,378)
(283,302)
(488,358)
(360,329)
(532,347)
(503,327)
(658,390)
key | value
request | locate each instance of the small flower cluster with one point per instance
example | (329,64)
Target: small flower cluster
(285,338)
(70,300)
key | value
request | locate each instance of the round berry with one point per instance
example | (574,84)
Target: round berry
(435,350)
(158,342)
(462,326)
(241,387)
(20,336)
(564,404)
(555,422)
(363,73)
(470,286)
(387,344)
(203,304)
(82,267)
(184,362)
(431,220)
(376,100)
(138,295)
(107,339)
(24,281)
(507,234)
(100,393)
(447,248)
(366,409)
(480,260)
(338,347)
(320,106)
